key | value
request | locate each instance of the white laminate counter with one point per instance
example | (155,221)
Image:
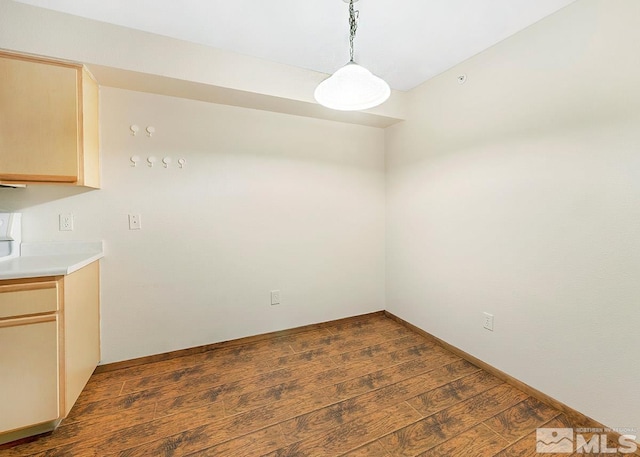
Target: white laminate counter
(50,259)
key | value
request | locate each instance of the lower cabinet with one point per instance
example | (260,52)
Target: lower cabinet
(29,384)
(49,347)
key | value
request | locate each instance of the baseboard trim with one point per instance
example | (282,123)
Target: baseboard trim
(224,344)
(574,415)
(26,435)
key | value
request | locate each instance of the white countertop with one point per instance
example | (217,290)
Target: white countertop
(50,259)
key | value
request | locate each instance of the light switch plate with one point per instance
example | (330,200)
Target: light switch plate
(275,297)
(487,321)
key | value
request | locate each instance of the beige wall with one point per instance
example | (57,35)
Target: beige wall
(266,201)
(518,193)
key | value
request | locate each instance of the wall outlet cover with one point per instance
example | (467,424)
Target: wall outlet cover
(135,223)
(65,222)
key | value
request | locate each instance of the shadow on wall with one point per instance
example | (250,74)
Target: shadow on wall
(15,199)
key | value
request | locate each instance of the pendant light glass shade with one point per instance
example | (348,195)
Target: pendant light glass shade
(352,88)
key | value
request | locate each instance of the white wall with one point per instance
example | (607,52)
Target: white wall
(266,201)
(518,193)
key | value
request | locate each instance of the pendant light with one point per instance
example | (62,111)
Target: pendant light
(352,87)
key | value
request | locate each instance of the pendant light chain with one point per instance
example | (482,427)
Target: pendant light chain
(354,15)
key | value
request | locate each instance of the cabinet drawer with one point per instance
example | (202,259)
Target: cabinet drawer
(30,298)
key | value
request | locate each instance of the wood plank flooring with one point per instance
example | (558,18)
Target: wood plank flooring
(365,386)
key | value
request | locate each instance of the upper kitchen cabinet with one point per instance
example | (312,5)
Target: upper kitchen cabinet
(48,122)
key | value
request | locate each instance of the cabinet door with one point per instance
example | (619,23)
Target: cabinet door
(28,372)
(38,121)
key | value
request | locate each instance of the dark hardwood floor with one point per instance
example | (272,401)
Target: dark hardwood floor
(365,386)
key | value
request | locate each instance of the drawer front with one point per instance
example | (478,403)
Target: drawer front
(29,298)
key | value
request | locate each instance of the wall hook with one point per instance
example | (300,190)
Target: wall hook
(134,129)
(134,160)
(181,163)
(150,131)
(151,160)
(166,161)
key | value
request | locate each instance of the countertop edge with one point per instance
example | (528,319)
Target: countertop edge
(50,262)
(84,263)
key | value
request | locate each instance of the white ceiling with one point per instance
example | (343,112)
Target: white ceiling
(404,41)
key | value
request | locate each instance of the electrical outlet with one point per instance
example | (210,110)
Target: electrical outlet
(65,222)
(275,297)
(134,222)
(487,321)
